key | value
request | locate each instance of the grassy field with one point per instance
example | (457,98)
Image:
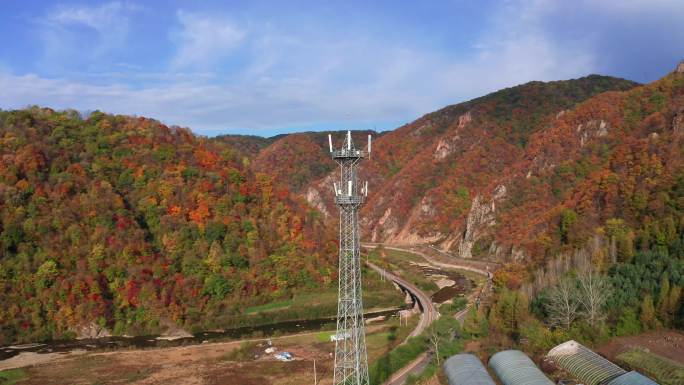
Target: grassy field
(663,370)
(377,294)
(269,306)
(12,376)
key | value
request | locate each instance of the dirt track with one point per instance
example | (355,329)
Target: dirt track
(205,364)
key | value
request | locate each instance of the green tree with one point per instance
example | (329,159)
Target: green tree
(509,311)
(214,259)
(46,274)
(474,323)
(217,286)
(628,324)
(567,220)
(11,236)
(663,299)
(674,303)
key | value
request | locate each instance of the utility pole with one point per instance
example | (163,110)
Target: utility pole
(351,359)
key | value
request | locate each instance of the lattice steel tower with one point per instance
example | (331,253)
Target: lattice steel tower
(351,361)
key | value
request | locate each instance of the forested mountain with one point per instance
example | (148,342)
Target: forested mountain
(248,145)
(300,159)
(441,173)
(521,173)
(447,177)
(136,226)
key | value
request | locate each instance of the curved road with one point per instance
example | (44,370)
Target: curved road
(429,313)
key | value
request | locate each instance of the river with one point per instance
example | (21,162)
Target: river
(154,341)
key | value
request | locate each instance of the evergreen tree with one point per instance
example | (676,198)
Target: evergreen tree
(674,302)
(475,324)
(663,299)
(628,324)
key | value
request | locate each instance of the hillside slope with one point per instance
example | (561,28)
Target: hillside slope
(439,179)
(134,226)
(526,172)
(433,169)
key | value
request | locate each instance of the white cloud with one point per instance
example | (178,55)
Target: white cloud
(295,80)
(288,78)
(102,18)
(62,40)
(204,40)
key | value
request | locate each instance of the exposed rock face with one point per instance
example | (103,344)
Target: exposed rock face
(387,223)
(445,146)
(678,122)
(480,218)
(91,330)
(517,254)
(426,207)
(420,165)
(443,149)
(389,229)
(680,68)
(313,196)
(592,129)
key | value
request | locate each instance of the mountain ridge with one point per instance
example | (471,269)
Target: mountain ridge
(153,224)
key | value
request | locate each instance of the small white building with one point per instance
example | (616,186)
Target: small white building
(284,356)
(339,337)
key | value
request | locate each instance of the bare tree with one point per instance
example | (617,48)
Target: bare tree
(434,338)
(593,295)
(563,305)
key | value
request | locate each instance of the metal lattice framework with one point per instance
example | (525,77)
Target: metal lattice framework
(351,361)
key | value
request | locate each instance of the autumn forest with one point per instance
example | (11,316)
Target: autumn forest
(134,226)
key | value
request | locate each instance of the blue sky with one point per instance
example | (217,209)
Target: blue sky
(260,67)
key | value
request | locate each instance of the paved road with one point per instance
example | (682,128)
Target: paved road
(427,317)
(428,310)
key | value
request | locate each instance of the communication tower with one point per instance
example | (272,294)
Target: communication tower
(351,360)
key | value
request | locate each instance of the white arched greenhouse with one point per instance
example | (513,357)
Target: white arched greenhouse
(514,367)
(466,369)
(584,364)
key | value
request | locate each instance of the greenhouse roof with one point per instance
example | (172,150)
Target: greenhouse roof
(584,364)
(514,367)
(466,369)
(632,378)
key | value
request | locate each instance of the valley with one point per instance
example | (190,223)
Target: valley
(525,199)
(242,361)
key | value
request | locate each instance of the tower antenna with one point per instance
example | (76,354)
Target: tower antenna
(351,359)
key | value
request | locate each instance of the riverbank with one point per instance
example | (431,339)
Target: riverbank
(233,362)
(215,361)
